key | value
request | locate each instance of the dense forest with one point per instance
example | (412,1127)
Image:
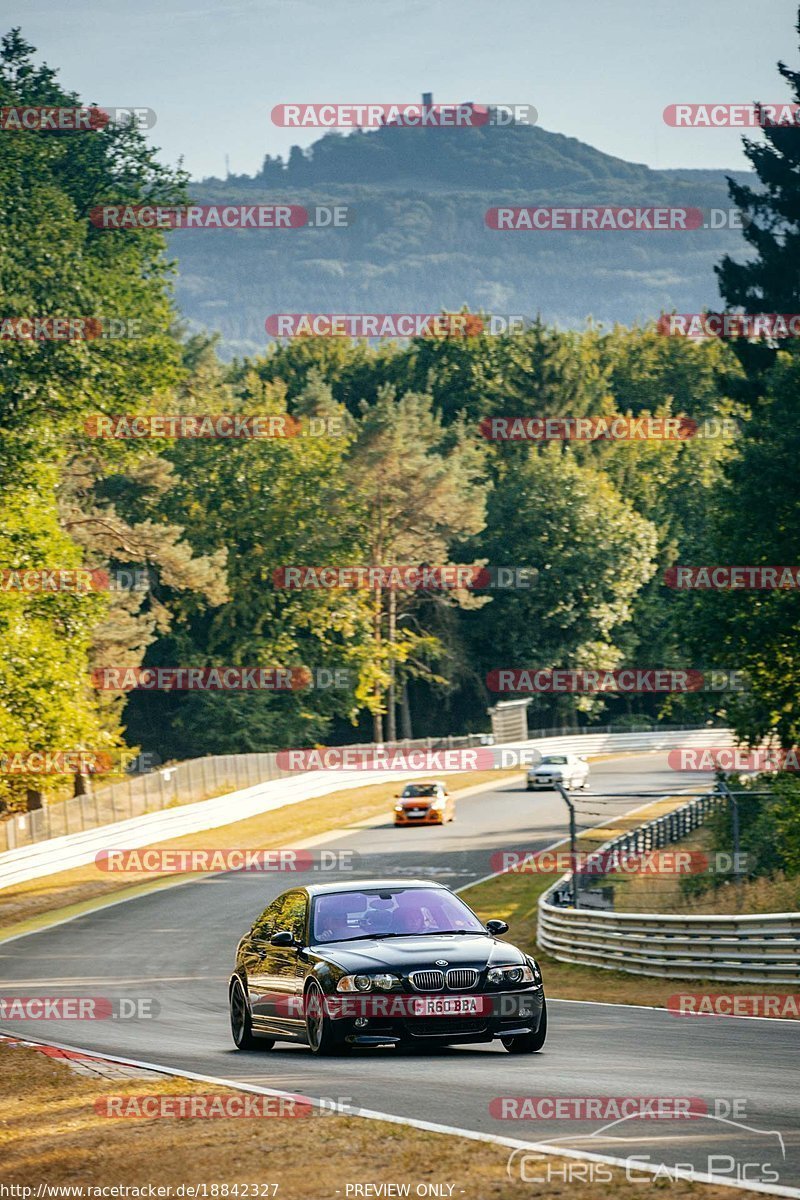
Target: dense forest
(401,474)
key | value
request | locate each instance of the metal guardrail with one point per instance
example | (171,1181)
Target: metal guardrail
(736,949)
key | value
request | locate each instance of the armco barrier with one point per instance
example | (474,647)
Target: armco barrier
(77,849)
(738,949)
(735,949)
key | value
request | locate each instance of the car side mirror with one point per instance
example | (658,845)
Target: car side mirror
(496,927)
(282,937)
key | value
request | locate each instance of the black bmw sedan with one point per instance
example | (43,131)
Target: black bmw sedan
(382,962)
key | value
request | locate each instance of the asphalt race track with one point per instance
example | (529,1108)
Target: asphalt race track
(177,946)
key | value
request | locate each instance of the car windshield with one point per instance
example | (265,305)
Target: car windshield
(420,789)
(555,760)
(395,912)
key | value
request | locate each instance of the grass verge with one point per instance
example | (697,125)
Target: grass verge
(53,1135)
(670,893)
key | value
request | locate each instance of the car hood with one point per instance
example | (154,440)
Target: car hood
(418,953)
(549,769)
(422,802)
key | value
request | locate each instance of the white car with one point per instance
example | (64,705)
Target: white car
(570,770)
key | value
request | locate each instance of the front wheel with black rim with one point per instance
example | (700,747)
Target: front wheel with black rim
(241,1024)
(529,1043)
(319,1027)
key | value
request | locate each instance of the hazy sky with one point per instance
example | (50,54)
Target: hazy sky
(598,70)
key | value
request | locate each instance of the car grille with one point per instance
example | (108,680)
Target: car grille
(460,978)
(427,981)
(443,1026)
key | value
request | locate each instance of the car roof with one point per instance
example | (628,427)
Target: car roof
(367,885)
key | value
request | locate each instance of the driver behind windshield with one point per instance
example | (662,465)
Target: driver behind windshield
(409,911)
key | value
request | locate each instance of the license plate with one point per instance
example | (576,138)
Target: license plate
(416,812)
(445,1006)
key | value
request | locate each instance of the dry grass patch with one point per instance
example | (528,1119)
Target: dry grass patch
(52,1134)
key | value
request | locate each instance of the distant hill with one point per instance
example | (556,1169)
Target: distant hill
(419,241)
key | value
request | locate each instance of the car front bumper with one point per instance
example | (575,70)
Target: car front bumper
(431,817)
(512,1014)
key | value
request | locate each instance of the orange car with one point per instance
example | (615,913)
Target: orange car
(424,804)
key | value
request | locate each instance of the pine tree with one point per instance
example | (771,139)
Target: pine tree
(770,280)
(757,516)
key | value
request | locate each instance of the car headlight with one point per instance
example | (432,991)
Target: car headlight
(398,808)
(386,982)
(354,983)
(365,983)
(519,973)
